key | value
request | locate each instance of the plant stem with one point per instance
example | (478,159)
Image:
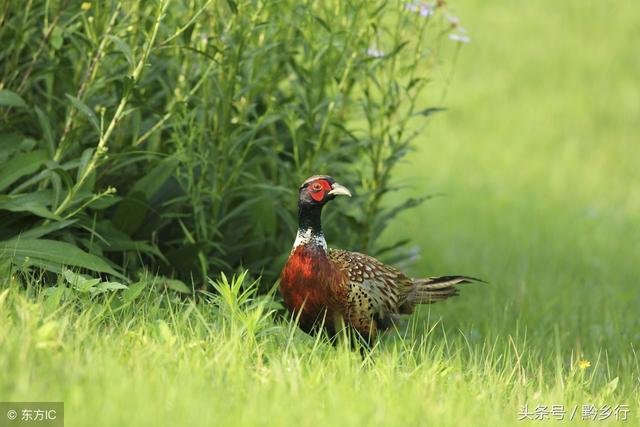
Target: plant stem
(119,113)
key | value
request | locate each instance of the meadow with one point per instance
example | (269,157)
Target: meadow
(534,163)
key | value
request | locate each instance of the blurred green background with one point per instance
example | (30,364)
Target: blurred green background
(538,156)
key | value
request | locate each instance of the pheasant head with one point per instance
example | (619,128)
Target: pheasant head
(314,193)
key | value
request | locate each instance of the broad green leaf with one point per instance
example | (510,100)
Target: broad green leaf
(22,261)
(72,278)
(43,230)
(105,202)
(53,299)
(134,290)
(323,23)
(119,241)
(131,212)
(10,143)
(52,253)
(243,207)
(5,267)
(53,171)
(151,182)
(119,245)
(11,99)
(45,127)
(84,109)
(185,257)
(165,332)
(110,286)
(57,38)
(84,161)
(21,165)
(80,283)
(123,47)
(176,285)
(36,203)
(612,386)
(233,6)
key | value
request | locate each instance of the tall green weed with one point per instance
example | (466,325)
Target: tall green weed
(172,136)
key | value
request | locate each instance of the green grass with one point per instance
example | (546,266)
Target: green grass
(537,156)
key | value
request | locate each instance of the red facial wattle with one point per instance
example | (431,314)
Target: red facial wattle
(317,195)
(318,189)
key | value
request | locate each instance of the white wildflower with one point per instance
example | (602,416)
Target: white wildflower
(375,52)
(460,38)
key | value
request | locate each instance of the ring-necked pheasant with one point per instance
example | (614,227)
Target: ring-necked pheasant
(330,287)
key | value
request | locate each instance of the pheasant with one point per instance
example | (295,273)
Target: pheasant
(332,287)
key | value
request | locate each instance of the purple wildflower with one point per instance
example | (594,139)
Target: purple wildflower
(423,8)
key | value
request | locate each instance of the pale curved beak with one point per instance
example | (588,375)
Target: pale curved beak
(339,190)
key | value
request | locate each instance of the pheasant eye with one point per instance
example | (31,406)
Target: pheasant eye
(316,186)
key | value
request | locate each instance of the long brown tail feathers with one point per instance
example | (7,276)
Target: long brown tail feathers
(433,289)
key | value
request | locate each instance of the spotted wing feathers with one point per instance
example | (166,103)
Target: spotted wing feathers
(377,293)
